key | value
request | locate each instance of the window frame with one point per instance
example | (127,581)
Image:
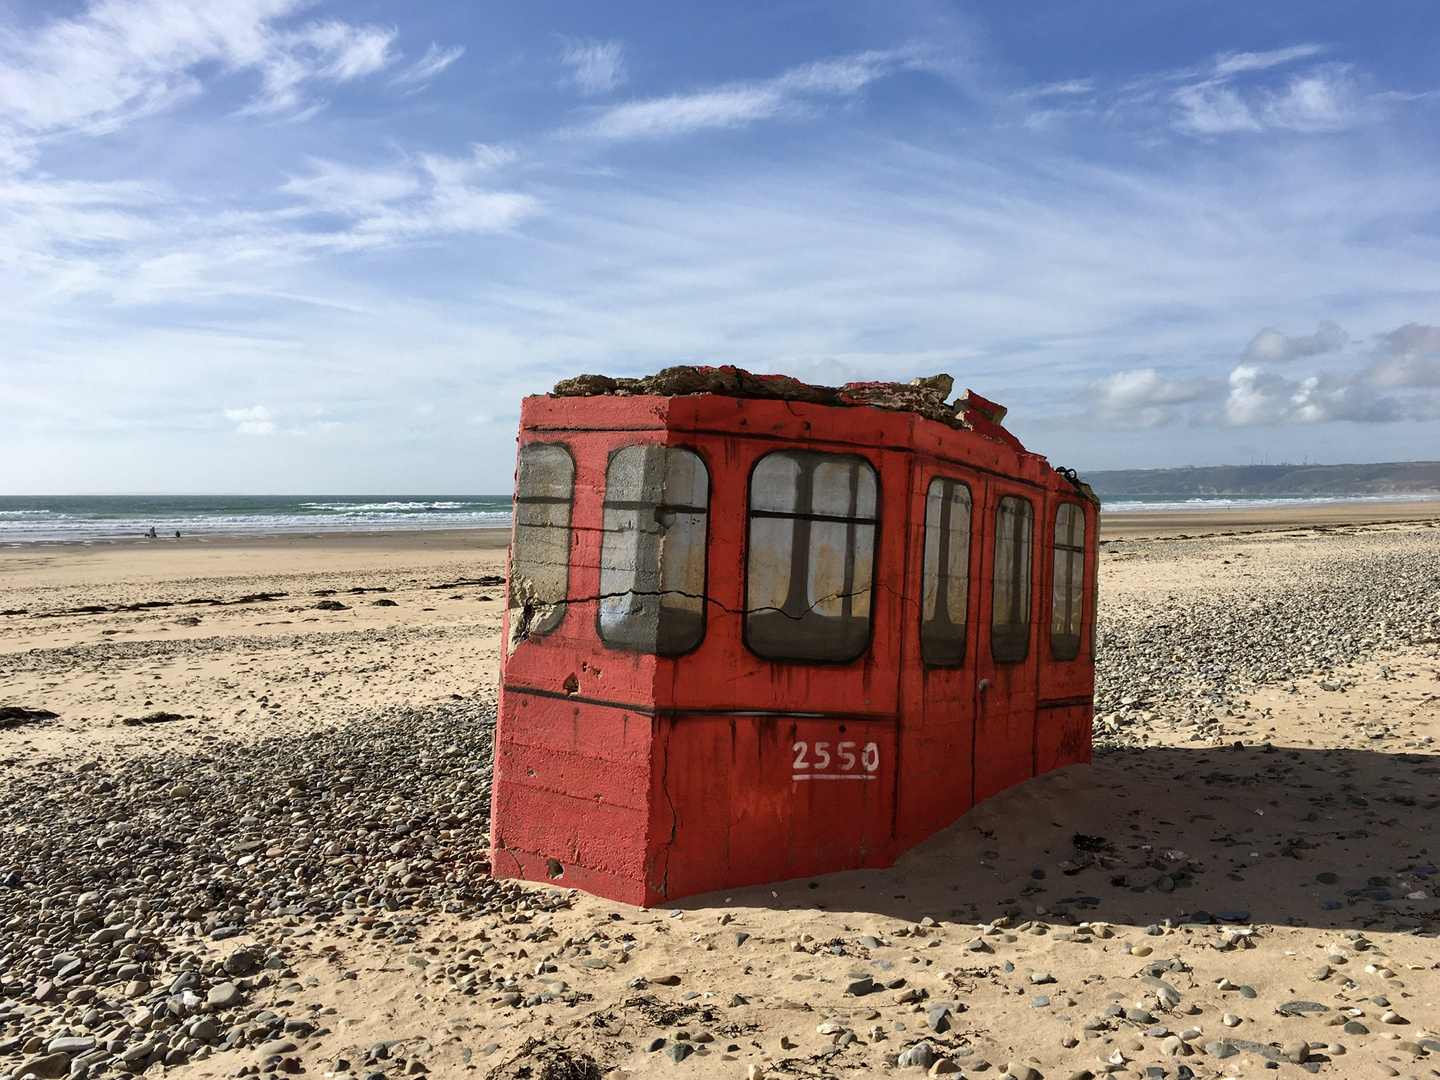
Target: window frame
(1072,550)
(705,582)
(564,603)
(970,549)
(1029,579)
(873,522)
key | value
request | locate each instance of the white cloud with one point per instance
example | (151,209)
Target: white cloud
(1270,346)
(1259,397)
(1234,63)
(1142,398)
(428,66)
(1408,356)
(738,104)
(597,67)
(120,59)
(255,420)
(430,194)
(1322,99)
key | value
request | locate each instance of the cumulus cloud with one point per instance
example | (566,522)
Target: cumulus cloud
(1260,397)
(1142,398)
(255,420)
(596,67)
(1270,346)
(738,104)
(1408,356)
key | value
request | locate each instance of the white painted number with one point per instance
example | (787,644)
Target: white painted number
(845,759)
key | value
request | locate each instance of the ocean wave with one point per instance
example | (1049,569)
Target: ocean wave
(1159,504)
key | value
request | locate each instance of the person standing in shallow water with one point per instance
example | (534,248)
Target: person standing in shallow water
(151,534)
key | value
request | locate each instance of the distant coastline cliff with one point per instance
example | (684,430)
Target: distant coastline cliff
(1390,478)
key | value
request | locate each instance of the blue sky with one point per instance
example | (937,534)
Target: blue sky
(267,246)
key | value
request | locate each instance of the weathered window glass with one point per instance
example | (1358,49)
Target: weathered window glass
(945,576)
(1067,603)
(1010,615)
(812,556)
(652,552)
(540,551)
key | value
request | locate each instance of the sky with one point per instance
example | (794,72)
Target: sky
(269,246)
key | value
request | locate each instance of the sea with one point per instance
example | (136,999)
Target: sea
(30,518)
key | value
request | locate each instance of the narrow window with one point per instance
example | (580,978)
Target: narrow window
(540,549)
(652,551)
(812,556)
(945,577)
(1010,616)
(1067,602)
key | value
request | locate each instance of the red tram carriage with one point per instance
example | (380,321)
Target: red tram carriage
(758,630)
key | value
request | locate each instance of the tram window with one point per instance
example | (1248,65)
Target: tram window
(812,556)
(652,550)
(1010,613)
(1067,601)
(540,557)
(945,576)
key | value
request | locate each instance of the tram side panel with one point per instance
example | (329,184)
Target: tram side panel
(1006,664)
(938,656)
(572,790)
(1065,706)
(775,768)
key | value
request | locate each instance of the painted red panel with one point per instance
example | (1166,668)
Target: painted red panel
(649,778)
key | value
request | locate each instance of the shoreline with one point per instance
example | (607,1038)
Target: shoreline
(1114,525)
(1172,524)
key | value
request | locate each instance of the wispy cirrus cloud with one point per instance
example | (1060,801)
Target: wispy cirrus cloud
(428,66)
(117,60)
(253,420)
(596,67)
(792,93)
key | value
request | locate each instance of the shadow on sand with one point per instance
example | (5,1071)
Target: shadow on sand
(1296,836)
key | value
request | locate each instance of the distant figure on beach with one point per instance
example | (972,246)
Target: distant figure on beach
(177,534)
(151,533)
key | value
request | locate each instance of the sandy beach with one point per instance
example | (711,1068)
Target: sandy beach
(251,838)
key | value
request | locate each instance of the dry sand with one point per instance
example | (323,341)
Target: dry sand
(1333,776)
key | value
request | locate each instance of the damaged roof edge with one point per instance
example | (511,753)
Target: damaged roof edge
(925,397)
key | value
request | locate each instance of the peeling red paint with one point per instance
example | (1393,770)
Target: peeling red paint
(646,778)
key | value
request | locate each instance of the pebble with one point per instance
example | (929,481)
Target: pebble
(921,1055)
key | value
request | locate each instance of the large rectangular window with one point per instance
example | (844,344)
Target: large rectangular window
(811,556)
(1067,598)
(652,551)
(540,549)
(945,576)
(1010,614)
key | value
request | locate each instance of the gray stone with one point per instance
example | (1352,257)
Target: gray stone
(655,1044)
(920,1055)
(225,995)
(678,1052)
(860,987)
(72,1045)
(275,1047)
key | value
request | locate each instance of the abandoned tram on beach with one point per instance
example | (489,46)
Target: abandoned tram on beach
(758,630)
